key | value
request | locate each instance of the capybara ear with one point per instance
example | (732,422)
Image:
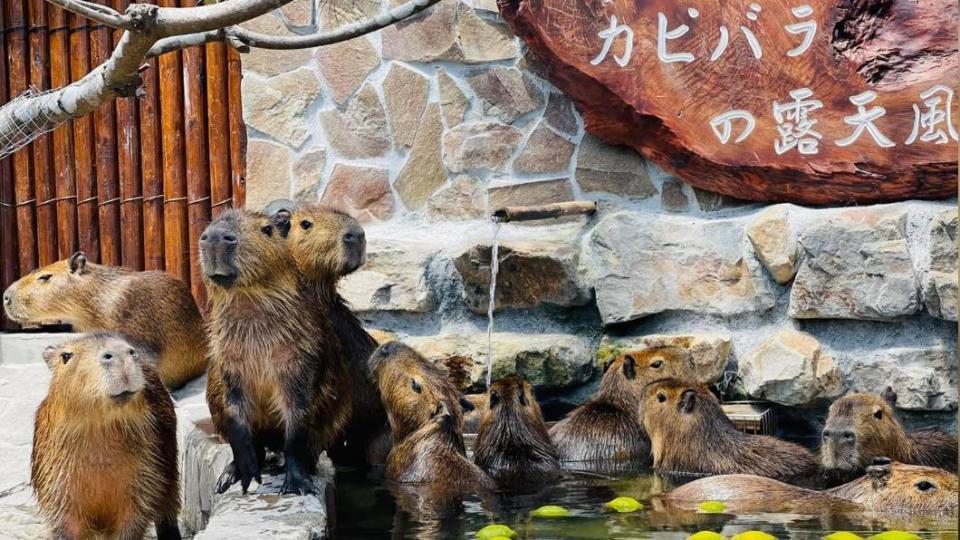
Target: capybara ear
(522,395)
(441,411)
(77,263)
(879,472)
(494,399)
(281,220)
(889,396)
(279,205)
(629,367)
(606,367)
(466,404)
(687,400)
(49,355)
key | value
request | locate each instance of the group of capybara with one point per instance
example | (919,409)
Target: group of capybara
(292,370)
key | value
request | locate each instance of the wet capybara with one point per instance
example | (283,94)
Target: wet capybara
(609,426)
(152,309)
(276,380)
(861,427)
(690,433)
(423,408)
(513,445)
(104,456)
(887,488)
(326,245)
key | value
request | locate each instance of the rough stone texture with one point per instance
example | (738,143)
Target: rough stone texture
(345,65)
(360,131)
(423,172)
(856,266)
(482,40)
(363,192)
(394,278)
(478,146)
(308,174)
(453,102)
(335,15)
(790,368)
(529,193)
(531,273)
(617,170)
(940,285)
(425,37)
(672,198)
(648,264)
(268,62)
(270,164)
(924,378)
(709,201)
(545,152)
(462,199)
(546,360)
(708,353)
(560,114)
(774,243)
(505,93)
(405,92)
(278,106)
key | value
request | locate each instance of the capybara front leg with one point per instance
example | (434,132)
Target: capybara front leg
(246,466)
(298,456)
(167,528)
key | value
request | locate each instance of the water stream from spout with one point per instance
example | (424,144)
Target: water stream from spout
(494,268)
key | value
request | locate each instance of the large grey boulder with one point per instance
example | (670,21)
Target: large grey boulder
(940,284)
(394,278)
(790,368)
(770,234)
(646,264)
(924,378)
(856,266)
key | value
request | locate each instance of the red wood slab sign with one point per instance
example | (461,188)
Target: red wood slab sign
(807,101)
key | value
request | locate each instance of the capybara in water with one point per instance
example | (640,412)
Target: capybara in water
(689,432)
(861,427)
(275,381)
(326,245)
(513,445)
(609,426)
(423,408)
(887,488)
(104,456)
(153,310)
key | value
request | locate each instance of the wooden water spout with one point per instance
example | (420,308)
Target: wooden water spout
(545,211)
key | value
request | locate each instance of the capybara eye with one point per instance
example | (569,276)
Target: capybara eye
(45,277)
(879,414)
(924,485)
(267,230)
(305,224)
(657,365)
(66,356)
(661,398)
(415,385)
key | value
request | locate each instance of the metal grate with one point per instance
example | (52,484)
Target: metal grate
(754,417)
(24,119)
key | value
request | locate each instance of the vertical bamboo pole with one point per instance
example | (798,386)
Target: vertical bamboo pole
(175,229)
(218,123)
(88,229)
(151,167)
(45,189)
(63,138)
(238,131)
(198,177)
(128,154)
(108,187)
(23,180)
(9,267)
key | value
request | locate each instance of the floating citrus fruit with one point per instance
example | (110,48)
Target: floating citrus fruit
(705,535)
(491,532)
(712,507)
(625,504)
(753,535)
(842,535)
(550,511)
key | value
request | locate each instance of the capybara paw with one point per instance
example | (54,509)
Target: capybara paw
(227,479)
(247,468)
(297,483)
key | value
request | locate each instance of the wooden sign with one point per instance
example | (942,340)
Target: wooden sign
(807,101)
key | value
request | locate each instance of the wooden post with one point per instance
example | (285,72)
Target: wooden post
(45,189)
(9,267)
(545,211)
(218,127)
(63,160)
(83,135)
(151,165)
(108,188)
(238,131)
(176,248)
(128,153)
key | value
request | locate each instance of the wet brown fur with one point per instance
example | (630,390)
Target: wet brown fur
(609,426)
(101,467)
(871,419)
(690,433)
(153,309)
(513,445)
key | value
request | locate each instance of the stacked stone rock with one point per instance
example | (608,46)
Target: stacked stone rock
(424,128)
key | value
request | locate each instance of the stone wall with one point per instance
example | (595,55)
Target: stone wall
(424,128)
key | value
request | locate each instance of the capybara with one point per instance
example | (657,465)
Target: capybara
(861,427)
(690,433)
(154,310)
(423,408)
(104,456)
(609,426)
(887,488)
(276,380)
(326,245)
(513,445)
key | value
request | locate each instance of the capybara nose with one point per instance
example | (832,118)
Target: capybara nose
(214,237)
(108,359)
(839,437)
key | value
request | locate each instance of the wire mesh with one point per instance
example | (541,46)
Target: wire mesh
(24,118)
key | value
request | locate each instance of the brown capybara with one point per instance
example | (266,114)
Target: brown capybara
(153,310)
(513,445)
(690,433)
(609,427)
(104,456)
(326,245)
(276,379)
(423,408)
(861,427)
(887,488)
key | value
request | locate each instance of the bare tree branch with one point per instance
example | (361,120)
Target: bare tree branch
(96,12)
(190,20)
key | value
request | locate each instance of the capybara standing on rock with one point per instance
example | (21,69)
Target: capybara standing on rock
(513,445)
(152,309)
(104,456)
(424,412)
(609,427)
(274,381)
(690,433)
(861,427)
